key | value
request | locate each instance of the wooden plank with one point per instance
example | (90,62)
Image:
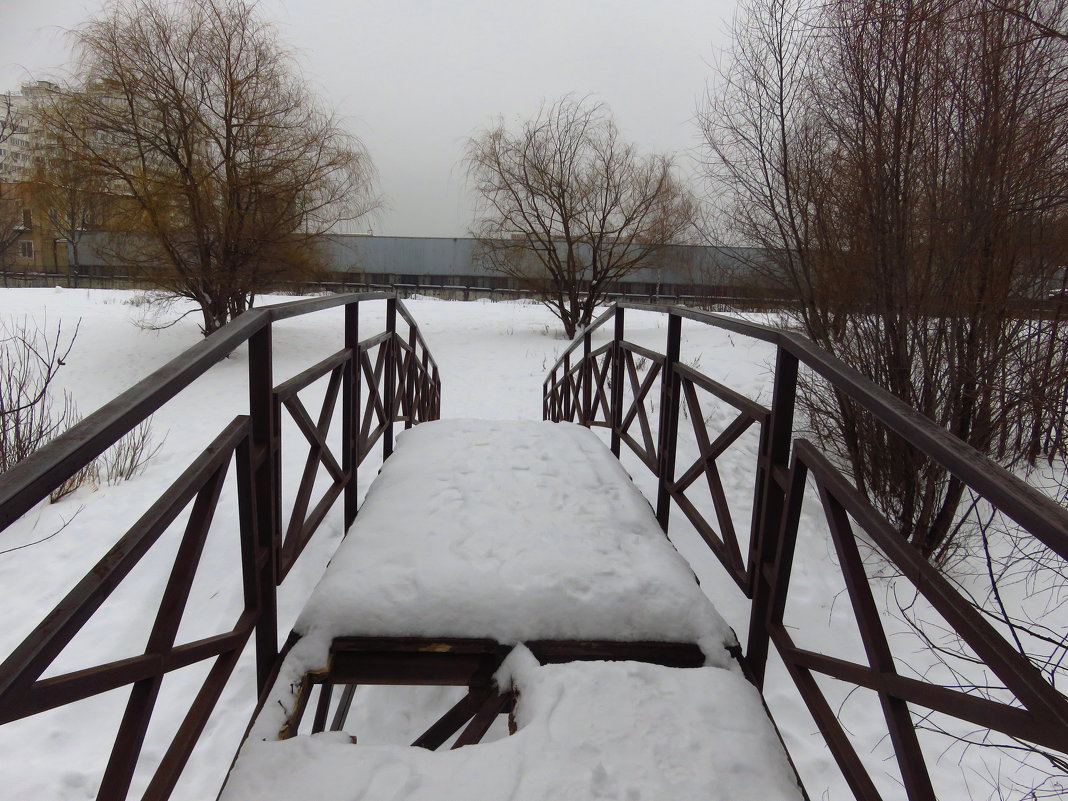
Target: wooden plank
(414,668)
(669,654)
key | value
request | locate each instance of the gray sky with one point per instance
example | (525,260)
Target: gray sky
(415,78)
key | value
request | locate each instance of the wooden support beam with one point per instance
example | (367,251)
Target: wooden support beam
(450,723)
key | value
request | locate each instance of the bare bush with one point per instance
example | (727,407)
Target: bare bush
(90,474)
(30,415)
(129,456)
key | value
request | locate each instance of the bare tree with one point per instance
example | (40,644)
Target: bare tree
(224,169)
(906,161)
(568,209)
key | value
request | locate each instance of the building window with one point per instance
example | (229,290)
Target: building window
(26,249)
(27,220)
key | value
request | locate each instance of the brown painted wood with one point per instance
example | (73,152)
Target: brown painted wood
(450,723)
(343,705)
(414,668)
(481,722)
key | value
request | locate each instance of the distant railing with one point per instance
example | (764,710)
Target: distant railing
(459,287)
(386,379)
(604,387)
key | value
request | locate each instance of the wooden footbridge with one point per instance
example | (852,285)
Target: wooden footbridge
(516,562)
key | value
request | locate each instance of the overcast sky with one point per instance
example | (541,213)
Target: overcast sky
(415,78)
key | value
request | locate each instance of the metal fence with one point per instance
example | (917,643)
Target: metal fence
(460,288)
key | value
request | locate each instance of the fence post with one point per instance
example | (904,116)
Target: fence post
(350,409)
(265,498)
(773,480)
(669,420)
(586,417)
(617,381)
(390,377)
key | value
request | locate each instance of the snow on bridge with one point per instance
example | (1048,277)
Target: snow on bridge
(492,556)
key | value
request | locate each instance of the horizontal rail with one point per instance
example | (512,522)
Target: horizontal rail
(377,339)
(645,353)
(287,389)
(61,690)
(724,393)
(296,308)
(980,711)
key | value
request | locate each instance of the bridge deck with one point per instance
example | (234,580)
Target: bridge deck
(478,536)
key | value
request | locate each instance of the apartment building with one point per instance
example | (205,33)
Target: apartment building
(26,242)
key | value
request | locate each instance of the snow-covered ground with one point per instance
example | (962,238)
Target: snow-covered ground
(493,359)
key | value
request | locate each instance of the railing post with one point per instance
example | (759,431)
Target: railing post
(772,483)
(565,400)
(350,409)
(426,390)
(586,418)
(264,447)
(410,390)
(617,381)
(436,390)
(390,377)
(669,420)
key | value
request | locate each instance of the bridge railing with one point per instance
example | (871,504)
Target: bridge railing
(386,379)
(616,384)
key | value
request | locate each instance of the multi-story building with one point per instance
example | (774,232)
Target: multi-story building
(26,242)
(16,130)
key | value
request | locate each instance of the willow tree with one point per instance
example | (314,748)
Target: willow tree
(224,169)
(568,208)
(72,198)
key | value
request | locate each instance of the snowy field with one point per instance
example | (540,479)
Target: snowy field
(493,359)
